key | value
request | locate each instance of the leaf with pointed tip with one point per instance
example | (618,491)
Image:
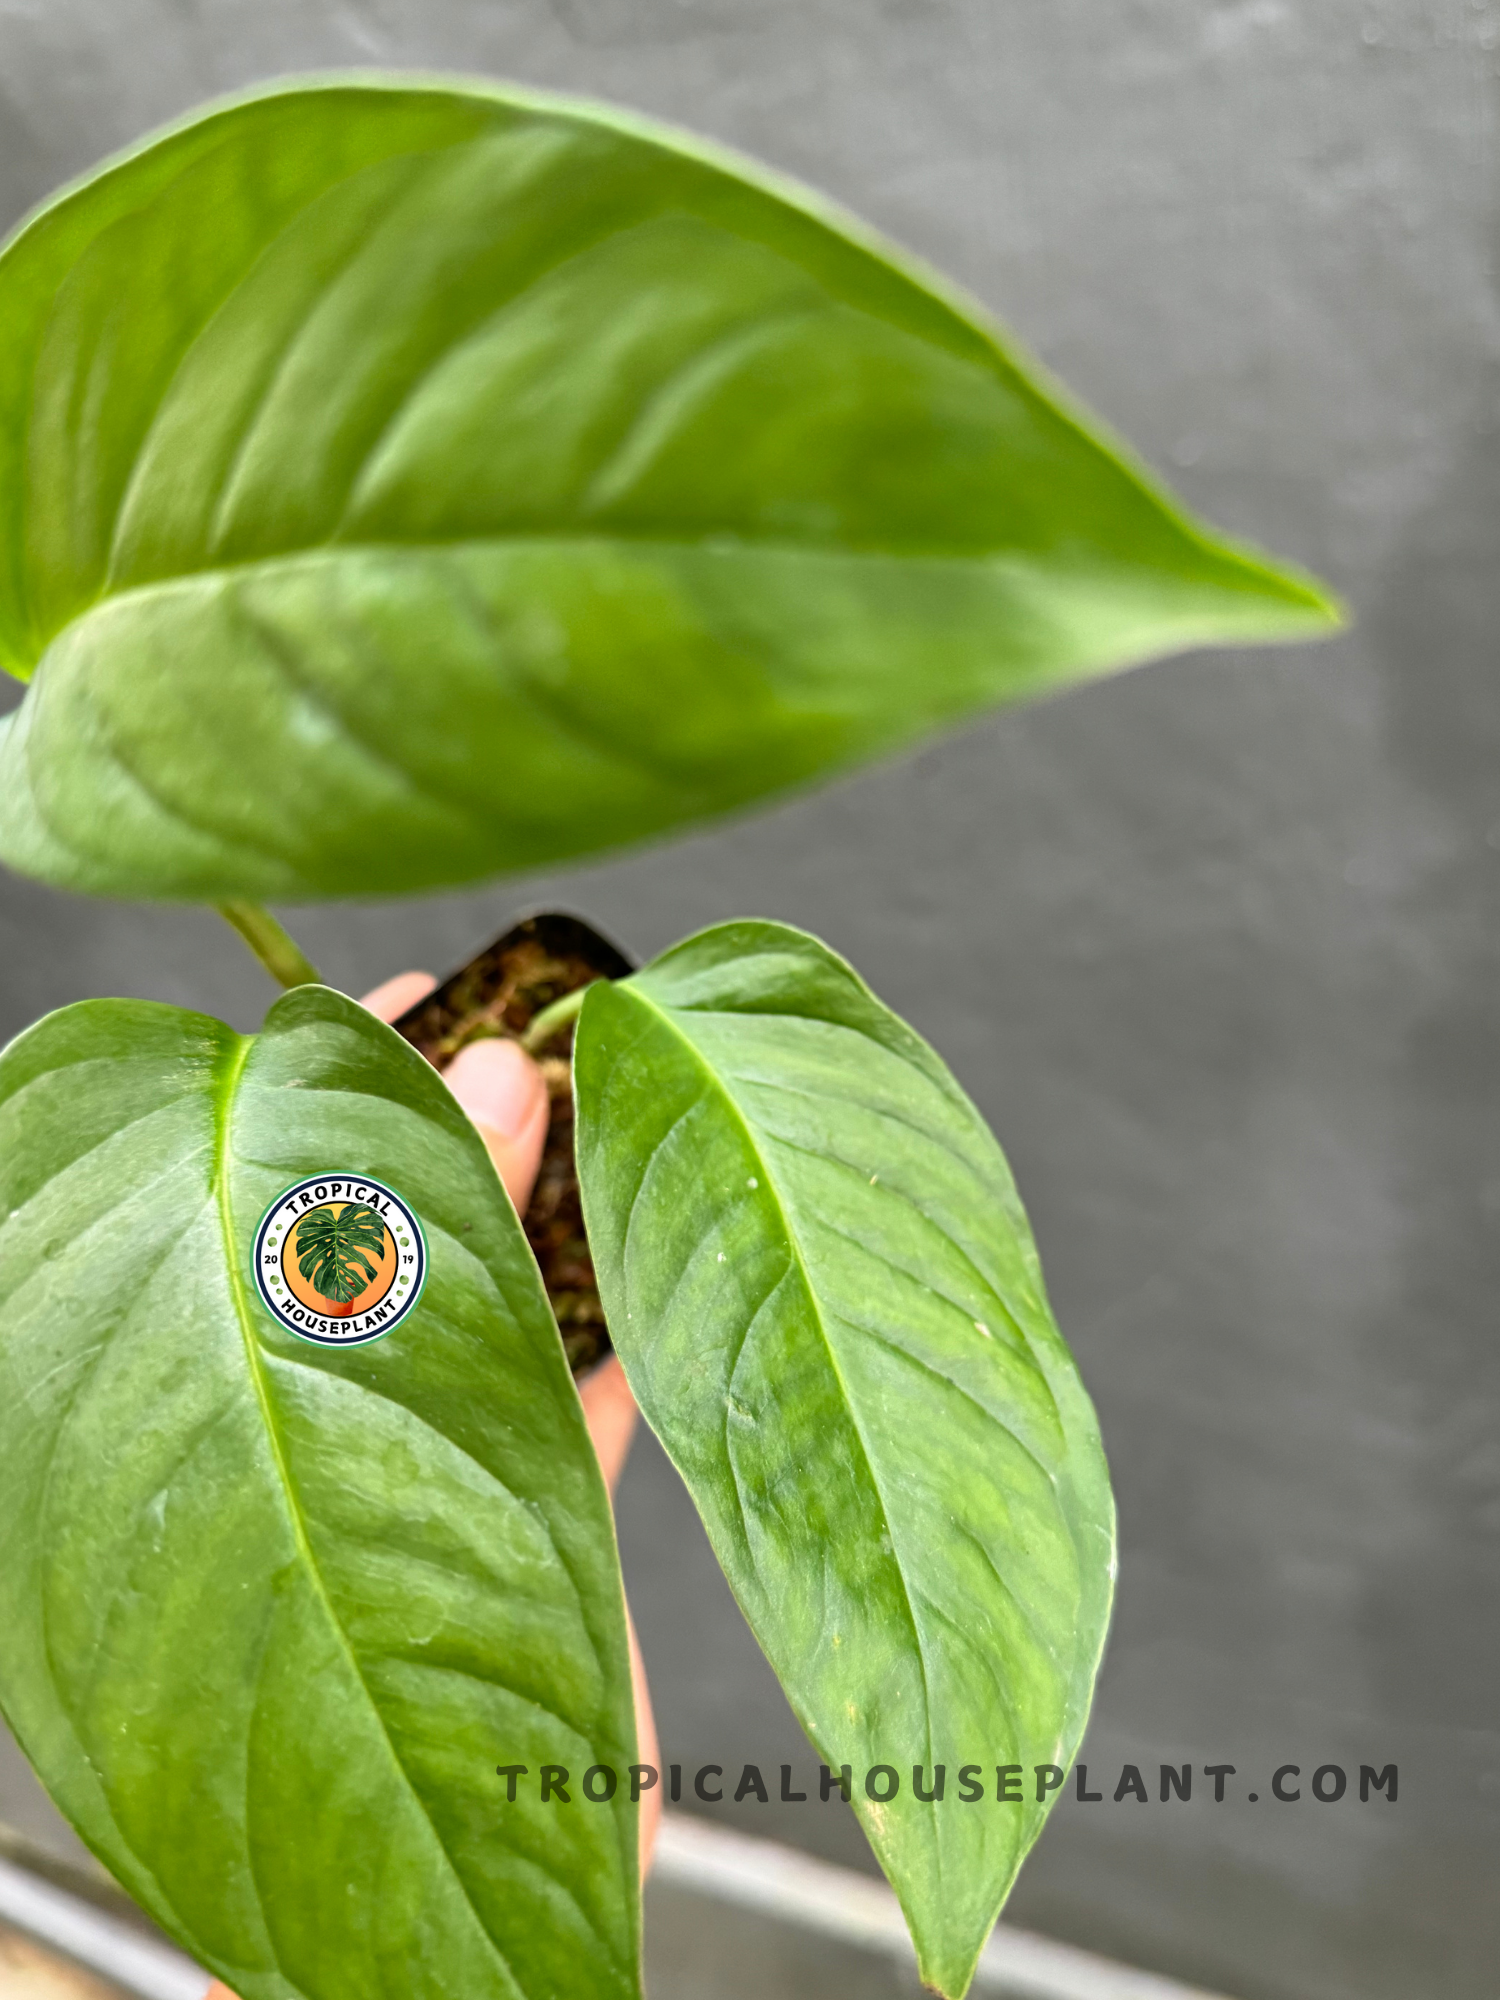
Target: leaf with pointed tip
(270,1613)
(402,483)
(826,1297)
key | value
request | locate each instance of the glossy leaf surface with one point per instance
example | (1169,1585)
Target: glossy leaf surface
(403,483)
(824,1291)
(271,1614)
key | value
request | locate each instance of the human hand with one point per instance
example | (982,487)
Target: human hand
(501,1089)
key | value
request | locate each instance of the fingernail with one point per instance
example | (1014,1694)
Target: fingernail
(497,1084)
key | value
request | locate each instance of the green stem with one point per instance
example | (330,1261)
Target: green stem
(280,954)
(546,1024)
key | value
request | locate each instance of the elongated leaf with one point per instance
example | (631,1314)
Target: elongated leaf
(271,1614)
(401,483)
(826,1297)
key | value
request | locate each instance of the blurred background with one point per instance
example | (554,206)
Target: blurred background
(1214,946)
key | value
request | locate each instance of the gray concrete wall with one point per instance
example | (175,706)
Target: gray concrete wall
(1213,946)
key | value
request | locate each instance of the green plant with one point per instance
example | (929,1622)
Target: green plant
(401,483)
(334,1247)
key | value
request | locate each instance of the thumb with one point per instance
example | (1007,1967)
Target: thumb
(501,1089)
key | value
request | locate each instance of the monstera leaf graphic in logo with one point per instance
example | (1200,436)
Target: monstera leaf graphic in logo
(331,1247)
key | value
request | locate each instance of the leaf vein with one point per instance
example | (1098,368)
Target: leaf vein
(816,1314)
(224,1106)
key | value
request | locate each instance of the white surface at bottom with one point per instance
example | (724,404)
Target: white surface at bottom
(795,1888)
(761,1875)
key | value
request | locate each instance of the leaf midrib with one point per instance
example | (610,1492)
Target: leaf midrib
(716,1084)
(1012,560)
(223,1104)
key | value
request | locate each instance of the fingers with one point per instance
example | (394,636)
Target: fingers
(611,1414)
(497,1084)
(392,997)
(648,1750)
(609,1410)
(501,1089)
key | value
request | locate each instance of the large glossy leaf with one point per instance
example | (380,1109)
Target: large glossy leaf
(403,482)
(271,1614)
(824,1291)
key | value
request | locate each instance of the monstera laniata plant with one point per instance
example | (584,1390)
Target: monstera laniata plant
(404,482)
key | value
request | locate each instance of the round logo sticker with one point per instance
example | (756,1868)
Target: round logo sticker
(339,1259)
